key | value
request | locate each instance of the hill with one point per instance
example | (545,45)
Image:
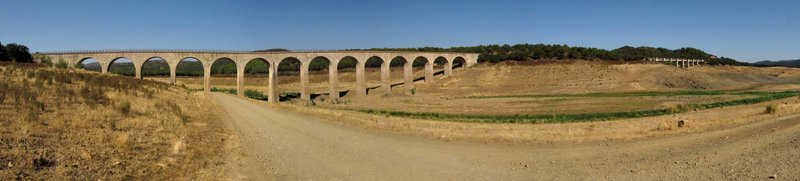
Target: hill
(782,63)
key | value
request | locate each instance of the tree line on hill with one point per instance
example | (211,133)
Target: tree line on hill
(523,52)
(782,63)
(15,52)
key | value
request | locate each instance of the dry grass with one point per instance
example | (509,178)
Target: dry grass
(68,124)
(569,78)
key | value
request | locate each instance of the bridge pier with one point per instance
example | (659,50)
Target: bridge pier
(333,73)
(361,87)
(408,76)
(172,73)
(304,96)
(272,94)
(386,85)
(240,81)
(207,78)
(448,68)
(429,72)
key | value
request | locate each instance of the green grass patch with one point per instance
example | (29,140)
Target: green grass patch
(254,94)
(249,93)
(223,90)
(583,117)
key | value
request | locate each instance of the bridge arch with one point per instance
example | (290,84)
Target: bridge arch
(154,66)
(258,69)
(407,72)
(186,67)
(350,66)
(288,66)
(223,68)
(90,64)
(440,66)
(122,66)
(374,72)
(425,62)
(317,64)
(457,62)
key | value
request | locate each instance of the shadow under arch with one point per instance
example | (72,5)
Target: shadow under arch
(439,64)
(401,62)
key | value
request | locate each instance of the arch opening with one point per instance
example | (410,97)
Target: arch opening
(223,76)
(256,74)
(90,64)
(459,62)
(189,71)
(122,66)
(347,77)
(438,66)
(397,71)
(372,72)
(155,67)
(319,76)
(418,68)
(288,81)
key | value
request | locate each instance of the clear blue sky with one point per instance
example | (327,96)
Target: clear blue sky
(745,30)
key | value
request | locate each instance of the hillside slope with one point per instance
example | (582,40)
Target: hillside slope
(74,124)
(588,77)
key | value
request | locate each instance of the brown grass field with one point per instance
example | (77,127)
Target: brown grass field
(75,124)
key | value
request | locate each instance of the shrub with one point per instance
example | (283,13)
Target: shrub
(47,60)
(124,107)
(772,109)
(61,63)
(94,96)
(223,90)
(254,94)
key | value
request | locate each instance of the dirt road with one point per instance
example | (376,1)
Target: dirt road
(286,145)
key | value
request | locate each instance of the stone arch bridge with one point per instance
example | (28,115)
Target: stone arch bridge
(241,58)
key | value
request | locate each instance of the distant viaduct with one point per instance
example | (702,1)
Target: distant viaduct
(207,58)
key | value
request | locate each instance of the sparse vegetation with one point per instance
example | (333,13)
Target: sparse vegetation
(254,94)
(223,90)
(73,124)
(772,109)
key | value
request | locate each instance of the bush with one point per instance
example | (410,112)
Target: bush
(772,109)
(223,90)
(94,96)
(61,64)
(124,107)
(254,94)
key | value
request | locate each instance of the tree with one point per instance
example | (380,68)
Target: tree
(18,53)
(3,56)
